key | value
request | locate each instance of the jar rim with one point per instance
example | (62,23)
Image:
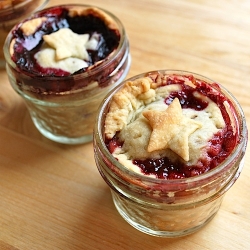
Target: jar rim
(92,71)
(242,141)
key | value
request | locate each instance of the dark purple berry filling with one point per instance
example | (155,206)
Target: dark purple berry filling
(27,46)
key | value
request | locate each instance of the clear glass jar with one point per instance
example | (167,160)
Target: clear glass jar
(13,13)
(67,114)
(168,208)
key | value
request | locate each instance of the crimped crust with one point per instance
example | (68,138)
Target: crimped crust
(130,98)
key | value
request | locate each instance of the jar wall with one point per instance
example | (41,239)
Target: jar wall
(63,108)
(166,221)
(69,118)
(168,208)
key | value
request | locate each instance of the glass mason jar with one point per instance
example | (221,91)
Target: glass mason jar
(63,108)
(168,208)
(12,13)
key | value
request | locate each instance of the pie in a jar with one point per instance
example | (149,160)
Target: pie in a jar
(170,126)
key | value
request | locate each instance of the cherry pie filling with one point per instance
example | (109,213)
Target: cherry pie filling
(218,148)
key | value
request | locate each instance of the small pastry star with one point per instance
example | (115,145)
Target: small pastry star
(68,44)
(170,129)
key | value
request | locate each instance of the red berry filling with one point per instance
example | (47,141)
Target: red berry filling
(218,148)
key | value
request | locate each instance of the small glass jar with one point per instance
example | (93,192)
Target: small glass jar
(13,12)
(63,108)
(168,208)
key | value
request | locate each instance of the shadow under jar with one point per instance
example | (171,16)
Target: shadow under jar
(173,199)
(63,101)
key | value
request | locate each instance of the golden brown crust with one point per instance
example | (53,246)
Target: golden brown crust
(125,101)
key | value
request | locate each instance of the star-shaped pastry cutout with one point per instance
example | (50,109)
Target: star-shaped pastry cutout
(68,44)
(170,129)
